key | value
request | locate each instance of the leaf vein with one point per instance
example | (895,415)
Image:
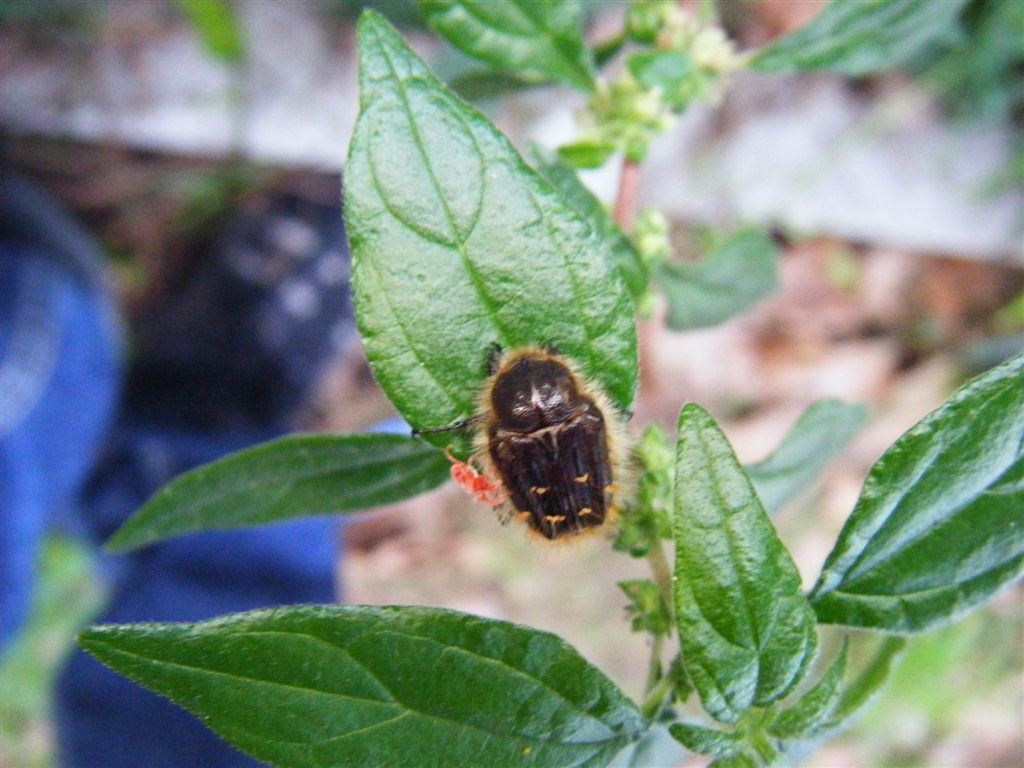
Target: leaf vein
(459,238)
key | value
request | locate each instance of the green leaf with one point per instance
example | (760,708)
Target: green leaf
(671,71)
(561,175)
(457,244)
(729,280)
(819,435)
(746,629)
(483,85)
(297,476)
(394,686)
(608,49)
(859,693)
(805,717)
(543,40)
(217,27)
(587,153)
(706,741)
(858,38)
(939,526)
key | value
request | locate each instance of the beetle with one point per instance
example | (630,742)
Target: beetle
(549,441)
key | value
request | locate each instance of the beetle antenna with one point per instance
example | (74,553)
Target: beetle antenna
(450,428)
(493,357)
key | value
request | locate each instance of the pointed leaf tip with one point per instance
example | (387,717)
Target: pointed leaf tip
(939,526)
(292,477)
(805,717)
(458,245)
(309,686)
(747,631)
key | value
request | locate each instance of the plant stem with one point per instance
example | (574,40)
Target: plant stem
(656,698)
(663,579)
(625,201)
(662,573)
(654,672)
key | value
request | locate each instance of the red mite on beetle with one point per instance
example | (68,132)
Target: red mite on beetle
(549,443)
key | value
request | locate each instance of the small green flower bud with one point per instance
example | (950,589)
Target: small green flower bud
(650,238)
(643,20)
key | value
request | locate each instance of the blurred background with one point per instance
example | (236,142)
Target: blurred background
(186,156)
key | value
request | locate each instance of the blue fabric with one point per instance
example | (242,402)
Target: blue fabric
(60,374)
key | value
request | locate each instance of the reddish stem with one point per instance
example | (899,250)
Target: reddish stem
(625,203)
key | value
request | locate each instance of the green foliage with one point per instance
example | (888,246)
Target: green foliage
(560,175)
(296,476)
(979,75)
(735,760)
(645,19)
(540,40)
(746,630)
(815,708)
(668,70)
(622,116)
(939,526)
(483,85)
(859,38)
(819,435)
(457,244)
(218,29)
(647,611)
(706,741)
(588,153)
(356,686)
(649,517)
(866,685)
(734,276)
(680,79)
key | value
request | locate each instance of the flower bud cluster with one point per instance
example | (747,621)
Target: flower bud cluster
(650,21)
(713,55)
(626,115)
(650,238)
(652,245)
(649,517)
(686,61)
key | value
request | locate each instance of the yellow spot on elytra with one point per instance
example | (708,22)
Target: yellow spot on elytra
(553,519)
(582,478)
(585,511)
(539,490)
(611,488)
